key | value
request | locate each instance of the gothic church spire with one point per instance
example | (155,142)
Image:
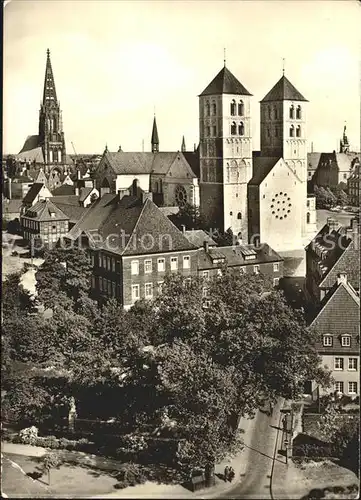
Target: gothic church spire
(49,94)
(155,138)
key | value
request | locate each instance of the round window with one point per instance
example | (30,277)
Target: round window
(181,196)
(279,205)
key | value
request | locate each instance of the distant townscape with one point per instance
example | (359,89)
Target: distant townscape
(157,302)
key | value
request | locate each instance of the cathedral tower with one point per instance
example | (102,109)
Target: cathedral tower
(51,135)
(283,131)
(225,153)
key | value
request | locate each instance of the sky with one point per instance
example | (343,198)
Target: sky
(116,62)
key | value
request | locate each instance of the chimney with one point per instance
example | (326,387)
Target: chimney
(354,222)
(341,278)
(135,187)
(77,190)
(206,245)
(183,228)
(146,195)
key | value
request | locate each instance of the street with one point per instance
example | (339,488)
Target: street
(261,444)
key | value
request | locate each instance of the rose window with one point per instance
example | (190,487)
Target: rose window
(181,196)
(281,205)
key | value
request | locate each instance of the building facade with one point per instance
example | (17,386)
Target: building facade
(337,323)
(353,186)
(225,153)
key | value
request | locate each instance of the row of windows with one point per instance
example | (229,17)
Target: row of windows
(293,132)
(106,286)
(235,108)
(106,262)
(148,290)
(339,364)
(148,265)
(293,112)
(345,340)
(352,387)
(240,128)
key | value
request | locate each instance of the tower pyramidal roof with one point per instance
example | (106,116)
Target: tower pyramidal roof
(225,83)
(284,91)
(49,94)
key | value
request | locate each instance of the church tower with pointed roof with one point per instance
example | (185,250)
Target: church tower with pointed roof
(51,135)
(225,153)
(155,138)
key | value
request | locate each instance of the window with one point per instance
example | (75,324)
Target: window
(135,292)
(352,363)
(241,108)
(242,270)
(208,131)
(186,262)
(135,267)
(233,108)
(241,129)
(239,216)
(298,131)
(292,111)
(292,131)
(205,275)
(93,282)
(352,387)
(338,363)
(256,269)
(346,341)
(148,266)
(339,387)
(345,176)
(276,267)
(208,109)
(275,113)
(327,340)
(173,263)
(214,108)
(268,132)
(160,286)
(161,265)
(148,290)
(308,217)
(276,281)
(298,113)
(113,266)
(214,131)
(233,128)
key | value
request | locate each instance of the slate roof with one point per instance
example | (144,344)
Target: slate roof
(234,256)
(340,255)
(284,91)
(71,199)
(262,166)
(74,212)
(33,192)
(64,190)
(313,161)
(144,163)
(31,142)
(34,154)
(339,313)
(198,237)
(146,228)
(225,83)
(45,210)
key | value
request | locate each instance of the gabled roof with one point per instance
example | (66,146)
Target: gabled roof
(45,210)
(33,192)
(283,91)
(339,313)
(225,83)
(71,199)
(313,160)
(262,166)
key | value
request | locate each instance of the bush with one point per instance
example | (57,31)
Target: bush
(29,435)
(130,475)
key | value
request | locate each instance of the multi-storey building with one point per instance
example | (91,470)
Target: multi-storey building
(353,186)
(44,224)
(334,250)
(337,322)
(225,153)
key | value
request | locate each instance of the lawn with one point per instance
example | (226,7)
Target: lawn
(70,480)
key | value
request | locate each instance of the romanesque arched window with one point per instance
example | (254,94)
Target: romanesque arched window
(233,128)
(239,216)
(214,108)
(292,131)
(233,108)
(241,128)
(240,108)
(298,131)
(208,108)
(292,111)
(298,113)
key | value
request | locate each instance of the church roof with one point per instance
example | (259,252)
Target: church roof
(262,166)
(283,91)
(31,142)
(155,138)
(31,150)
(225,83)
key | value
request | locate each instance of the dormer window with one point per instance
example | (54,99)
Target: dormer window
(327,340)
(346,340)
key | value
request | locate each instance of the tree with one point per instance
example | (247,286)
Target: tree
(15,299)
(188,216)
(50,278)
(51,461)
